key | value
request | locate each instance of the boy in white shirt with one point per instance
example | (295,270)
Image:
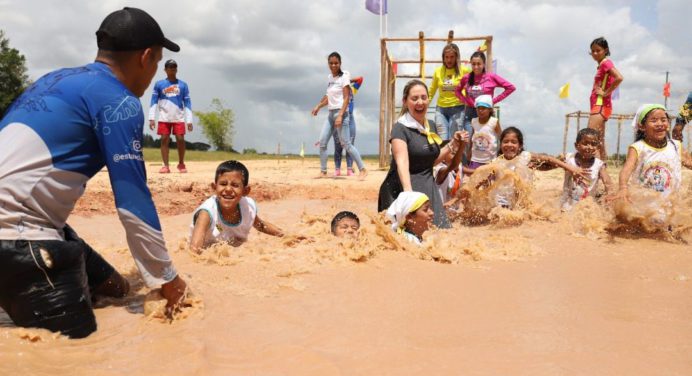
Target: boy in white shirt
(228,215)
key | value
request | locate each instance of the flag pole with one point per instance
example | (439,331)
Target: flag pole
(665,98)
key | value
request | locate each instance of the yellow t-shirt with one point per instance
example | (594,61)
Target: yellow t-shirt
(447,80)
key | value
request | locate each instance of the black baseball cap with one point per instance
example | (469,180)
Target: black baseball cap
(170,63)
(131,29)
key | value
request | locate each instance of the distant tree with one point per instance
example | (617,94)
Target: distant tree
(217,125)
(13,77)
(249,151)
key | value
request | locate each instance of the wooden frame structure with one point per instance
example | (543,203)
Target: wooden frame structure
(585,115)
(389,76)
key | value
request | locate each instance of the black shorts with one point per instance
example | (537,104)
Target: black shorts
(46,283)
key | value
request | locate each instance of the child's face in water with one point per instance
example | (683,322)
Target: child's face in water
(347,227)
(510,145)
(229,189)
(656,126)
(419,221)
(587,146)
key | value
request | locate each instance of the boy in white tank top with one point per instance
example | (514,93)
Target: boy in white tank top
(228,215)
(575,190)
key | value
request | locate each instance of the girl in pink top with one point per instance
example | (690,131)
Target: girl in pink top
(606,81)
(476,83)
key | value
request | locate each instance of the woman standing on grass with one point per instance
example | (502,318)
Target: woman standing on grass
(336,99)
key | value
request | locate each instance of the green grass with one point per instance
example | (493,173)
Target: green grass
(154,154)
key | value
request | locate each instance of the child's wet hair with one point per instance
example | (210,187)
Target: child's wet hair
(588,132)
(516,131)
(341,215)
(603,43)
(230,166)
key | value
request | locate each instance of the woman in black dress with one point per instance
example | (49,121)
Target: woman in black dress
(415,150)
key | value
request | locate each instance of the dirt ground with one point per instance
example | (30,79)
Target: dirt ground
(551,294)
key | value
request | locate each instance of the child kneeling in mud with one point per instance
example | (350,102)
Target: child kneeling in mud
(411,215)
(502,181)
(575,189)
(229,214)
(656,162)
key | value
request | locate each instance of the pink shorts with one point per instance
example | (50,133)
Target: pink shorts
(602,110)
(166,127)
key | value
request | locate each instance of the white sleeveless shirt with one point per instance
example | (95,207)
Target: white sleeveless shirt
(484,140)
(658,169)
(221,231)
(573,191)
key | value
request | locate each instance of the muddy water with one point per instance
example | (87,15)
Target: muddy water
(553,295)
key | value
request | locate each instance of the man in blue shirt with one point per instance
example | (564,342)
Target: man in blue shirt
(57,135)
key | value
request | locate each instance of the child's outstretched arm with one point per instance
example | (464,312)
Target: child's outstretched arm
(267,228)
(546,162)
(607,181)
(202,223)
(686,159)
(625,173)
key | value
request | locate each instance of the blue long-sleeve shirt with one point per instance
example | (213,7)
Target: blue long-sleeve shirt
(57,135)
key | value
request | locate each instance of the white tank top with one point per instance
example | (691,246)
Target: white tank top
(573,191)
(658,169)
(221,231)
(484,140)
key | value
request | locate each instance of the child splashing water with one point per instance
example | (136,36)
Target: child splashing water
(575,190)
(506,181)
(655,161)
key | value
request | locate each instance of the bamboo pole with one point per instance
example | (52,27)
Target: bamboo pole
(467,39)
(564,136)
(617,147)
(578,121)
(450,36)
(383,96)
(392,114)
(489,45)
(421,45)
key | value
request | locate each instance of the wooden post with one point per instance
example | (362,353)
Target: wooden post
(578,121)
(450,36)
(421,44)
(489,54)
(391,109)
(564,137)
(383,96)
(617,147)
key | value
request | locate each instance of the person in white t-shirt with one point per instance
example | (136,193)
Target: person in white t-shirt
(654,159)
(336,99)
(575,189)
(486,131)
(229,215)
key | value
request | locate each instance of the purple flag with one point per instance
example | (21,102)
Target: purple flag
(375,6)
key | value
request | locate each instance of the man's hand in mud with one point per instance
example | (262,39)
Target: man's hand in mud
(174,292)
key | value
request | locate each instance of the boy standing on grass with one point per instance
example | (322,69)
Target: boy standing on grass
(172,98)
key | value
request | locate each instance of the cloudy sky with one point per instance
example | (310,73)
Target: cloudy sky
(267,59)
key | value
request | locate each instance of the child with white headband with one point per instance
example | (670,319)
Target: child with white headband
(411,215)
